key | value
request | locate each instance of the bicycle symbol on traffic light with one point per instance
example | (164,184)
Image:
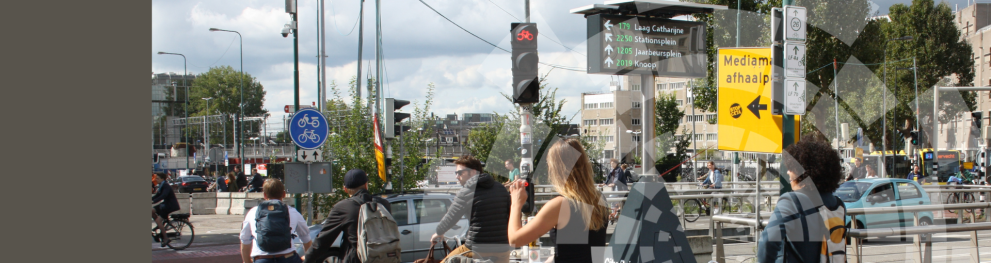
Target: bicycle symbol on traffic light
(524,34)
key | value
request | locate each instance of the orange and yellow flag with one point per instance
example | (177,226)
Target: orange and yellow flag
(379,155)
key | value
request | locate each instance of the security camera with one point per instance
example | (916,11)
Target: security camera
(286,30)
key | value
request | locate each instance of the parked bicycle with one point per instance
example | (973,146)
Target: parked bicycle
(178,230)
(960,198)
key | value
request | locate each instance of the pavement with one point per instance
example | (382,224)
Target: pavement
(216,240)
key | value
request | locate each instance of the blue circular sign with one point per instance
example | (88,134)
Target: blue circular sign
(308,128)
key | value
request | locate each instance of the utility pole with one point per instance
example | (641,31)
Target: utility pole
(361,36)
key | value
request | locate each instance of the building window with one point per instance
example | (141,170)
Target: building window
(605,105)
(605,122)
(699,137)
(607,153)
(636,138)
(661,86)
(710,117)
(592,138)
(607,138)
(589,122)
(676,86)
(636,104)
(635,121)
(591,105)
(680,102)
(710,136)
(635,87)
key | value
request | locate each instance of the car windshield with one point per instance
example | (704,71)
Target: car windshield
(852,191)
(192,179)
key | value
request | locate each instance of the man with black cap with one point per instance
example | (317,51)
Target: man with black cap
(343,218)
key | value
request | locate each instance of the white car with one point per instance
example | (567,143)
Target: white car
(415,231)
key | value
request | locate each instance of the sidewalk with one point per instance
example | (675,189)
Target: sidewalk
(216,240)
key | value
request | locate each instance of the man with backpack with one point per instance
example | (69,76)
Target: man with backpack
(348,217)
(267,231)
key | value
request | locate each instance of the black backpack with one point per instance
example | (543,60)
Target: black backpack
(273,232)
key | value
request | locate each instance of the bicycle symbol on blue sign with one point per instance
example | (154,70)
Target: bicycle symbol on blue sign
(310,129)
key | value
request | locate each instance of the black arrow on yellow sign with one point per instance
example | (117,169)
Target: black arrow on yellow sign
(756,107)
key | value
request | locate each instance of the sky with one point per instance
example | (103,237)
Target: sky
(420,47)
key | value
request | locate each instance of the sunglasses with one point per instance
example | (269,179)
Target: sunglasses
(458,172)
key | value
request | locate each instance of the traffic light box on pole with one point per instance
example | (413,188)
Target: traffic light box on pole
(915,137)
(525,60)
(392,117)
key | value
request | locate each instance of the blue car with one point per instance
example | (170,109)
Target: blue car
(884,192)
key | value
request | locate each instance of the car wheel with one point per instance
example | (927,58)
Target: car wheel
(925,221)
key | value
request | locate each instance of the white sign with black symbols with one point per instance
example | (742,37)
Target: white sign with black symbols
(304,155)
(794,23)
(794,60)
(794,97)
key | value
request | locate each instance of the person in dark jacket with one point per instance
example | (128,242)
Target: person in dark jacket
(168,204)
(242,180)
(255,186)
(797,230)
(343,218)
(486,202)
(221,183)
(617,178)
(859,170)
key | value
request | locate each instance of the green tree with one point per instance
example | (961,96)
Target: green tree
(351,145)
(223,85)
(667,117)
(940,53)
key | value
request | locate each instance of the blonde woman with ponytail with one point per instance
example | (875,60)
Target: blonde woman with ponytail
(577,219)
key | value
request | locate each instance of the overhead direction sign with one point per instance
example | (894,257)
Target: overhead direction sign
(795,23)
(794,96)
(744,119)
(308,128)
(621,45)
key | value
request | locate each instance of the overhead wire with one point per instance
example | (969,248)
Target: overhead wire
(494,45)
(335,21)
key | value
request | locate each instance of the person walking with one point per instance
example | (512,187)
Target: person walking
(576,220)
(268,229)
(513,172)
(807,224)
(343,218)
(617,177)
(486,203)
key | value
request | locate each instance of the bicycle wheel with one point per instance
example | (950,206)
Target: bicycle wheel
(952,199)
(180,234)
(693,210)
(968,198)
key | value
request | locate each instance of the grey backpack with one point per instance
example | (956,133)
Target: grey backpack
(378,234)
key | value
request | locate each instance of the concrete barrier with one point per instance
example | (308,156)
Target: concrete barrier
(204,203)
(701,247)
(223,203)
(237,203)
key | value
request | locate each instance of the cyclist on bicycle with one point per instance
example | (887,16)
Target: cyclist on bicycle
(714,179)
(168,204)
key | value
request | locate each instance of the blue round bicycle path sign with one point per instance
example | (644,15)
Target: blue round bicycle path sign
(308,128)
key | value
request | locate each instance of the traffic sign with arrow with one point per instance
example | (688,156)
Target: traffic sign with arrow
(608,62)
(608,50)
(608,37)
(738,131)
(755,107)
(607,25)
(309,155)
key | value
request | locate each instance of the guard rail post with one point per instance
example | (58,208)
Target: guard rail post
(975,255)
(855,241)
(720,254)
(917,242)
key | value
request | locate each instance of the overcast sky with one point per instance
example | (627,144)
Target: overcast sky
(420,47)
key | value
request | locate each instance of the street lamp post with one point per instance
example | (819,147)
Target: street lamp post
(884,121)
(916,84)
(186,106)
(240,113)
(206,129)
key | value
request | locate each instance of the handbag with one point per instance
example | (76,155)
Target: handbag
(430,255)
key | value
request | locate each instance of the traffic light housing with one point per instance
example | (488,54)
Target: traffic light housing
(915,137)
(528,205)
(392,117)
(526,84)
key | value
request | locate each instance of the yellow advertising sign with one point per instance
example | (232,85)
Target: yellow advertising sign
(744,108)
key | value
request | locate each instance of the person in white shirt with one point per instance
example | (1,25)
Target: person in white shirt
(273,189)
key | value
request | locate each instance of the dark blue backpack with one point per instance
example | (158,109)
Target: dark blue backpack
(273,232)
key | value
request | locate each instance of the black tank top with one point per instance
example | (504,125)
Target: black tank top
(573,243)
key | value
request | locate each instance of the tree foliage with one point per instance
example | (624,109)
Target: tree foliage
(223,84)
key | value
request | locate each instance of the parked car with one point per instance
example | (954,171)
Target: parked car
(191,184)
(884,192)
(417,216)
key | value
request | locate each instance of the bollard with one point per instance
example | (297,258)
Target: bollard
(975,255)
(855,241)
(720,255)
(917,243)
